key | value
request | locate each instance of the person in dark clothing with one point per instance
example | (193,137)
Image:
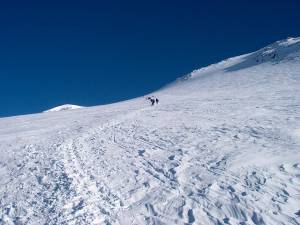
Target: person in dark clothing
(156,100)
(152,101)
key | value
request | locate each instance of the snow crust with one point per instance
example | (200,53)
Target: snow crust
(221,147)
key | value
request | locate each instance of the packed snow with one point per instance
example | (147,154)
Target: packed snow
(222,146)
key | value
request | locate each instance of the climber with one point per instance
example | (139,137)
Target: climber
(152,101)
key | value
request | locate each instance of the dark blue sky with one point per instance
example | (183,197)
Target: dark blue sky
(97,52)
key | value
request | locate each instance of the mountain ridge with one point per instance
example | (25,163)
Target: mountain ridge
(273,52)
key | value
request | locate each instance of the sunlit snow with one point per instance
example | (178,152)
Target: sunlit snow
(221,147)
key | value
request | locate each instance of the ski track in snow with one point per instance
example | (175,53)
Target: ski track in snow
(219,149)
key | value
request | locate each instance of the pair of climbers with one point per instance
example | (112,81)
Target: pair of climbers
(153,100)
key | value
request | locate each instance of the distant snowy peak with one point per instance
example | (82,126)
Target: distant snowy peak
(64,108)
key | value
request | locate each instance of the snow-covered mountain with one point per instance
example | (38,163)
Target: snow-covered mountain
(64,108)
(221,147)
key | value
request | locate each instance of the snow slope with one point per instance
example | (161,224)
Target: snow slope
(222,147)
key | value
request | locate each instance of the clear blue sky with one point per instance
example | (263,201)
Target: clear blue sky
(97,52)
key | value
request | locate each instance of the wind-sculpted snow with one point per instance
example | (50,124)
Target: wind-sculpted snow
(220,148)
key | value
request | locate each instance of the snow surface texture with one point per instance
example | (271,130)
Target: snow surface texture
(221,147)
(64,108)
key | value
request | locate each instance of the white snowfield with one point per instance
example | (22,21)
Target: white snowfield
(221,147)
